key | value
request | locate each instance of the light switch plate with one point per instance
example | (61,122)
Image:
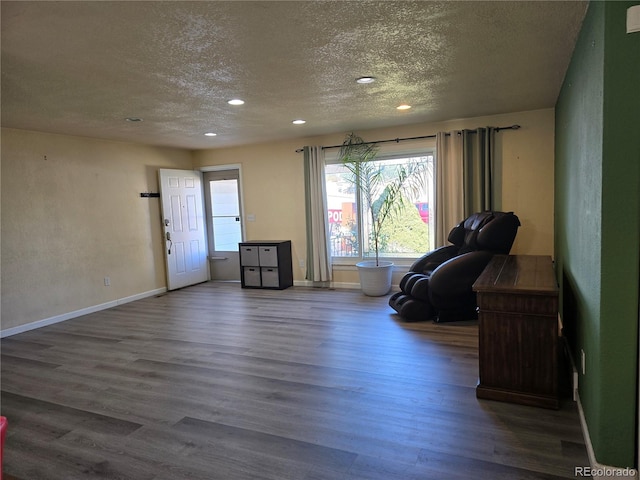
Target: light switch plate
(633,19)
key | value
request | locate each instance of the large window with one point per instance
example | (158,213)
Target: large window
(409,235)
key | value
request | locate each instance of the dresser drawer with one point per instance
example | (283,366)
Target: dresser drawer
(252,276)
(268,256)
(249,256)
(518,303)
(270,277)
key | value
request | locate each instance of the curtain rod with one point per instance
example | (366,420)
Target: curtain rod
(398,140)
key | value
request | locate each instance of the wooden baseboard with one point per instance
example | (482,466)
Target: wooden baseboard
(530,399)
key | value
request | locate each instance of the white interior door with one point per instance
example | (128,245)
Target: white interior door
(184,227)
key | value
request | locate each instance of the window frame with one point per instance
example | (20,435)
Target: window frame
(426,148)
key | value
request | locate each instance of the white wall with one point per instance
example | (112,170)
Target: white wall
(72,212)
(273,183)
(71,215)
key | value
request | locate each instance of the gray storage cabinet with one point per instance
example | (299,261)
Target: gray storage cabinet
(266,264)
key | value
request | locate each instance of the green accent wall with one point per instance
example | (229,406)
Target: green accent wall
(597,224)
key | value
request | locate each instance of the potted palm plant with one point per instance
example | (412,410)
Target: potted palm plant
(384,197)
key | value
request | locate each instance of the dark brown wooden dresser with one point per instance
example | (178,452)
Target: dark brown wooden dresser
(518,331)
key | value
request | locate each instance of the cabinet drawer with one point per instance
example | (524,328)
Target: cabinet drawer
(249,256)
(252,276)
(270,277)
(519,353)
(518,303)
(268,256)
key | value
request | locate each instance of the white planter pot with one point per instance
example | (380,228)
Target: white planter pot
(375,280)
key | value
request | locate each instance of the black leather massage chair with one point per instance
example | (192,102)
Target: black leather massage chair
(438,285)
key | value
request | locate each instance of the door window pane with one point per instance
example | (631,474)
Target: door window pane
(225,206)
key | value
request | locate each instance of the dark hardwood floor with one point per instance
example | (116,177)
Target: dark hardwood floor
(218,382)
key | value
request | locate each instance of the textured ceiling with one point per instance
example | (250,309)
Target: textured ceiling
(81,68)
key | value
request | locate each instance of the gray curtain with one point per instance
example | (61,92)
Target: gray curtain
(467,180)
(318,253)
(479,175)
(449,184)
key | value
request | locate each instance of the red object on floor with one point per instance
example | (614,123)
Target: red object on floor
(3,431)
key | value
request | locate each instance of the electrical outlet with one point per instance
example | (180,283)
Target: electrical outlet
(302,263)
(583,362)
(107,281)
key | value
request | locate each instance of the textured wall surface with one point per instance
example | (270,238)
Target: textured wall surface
(273,185)
(72,215)
(598,225)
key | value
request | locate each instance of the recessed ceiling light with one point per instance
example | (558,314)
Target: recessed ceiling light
(366,80)
(403,107)
(299,122)
(133,119)
(210,134)
(236,101)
